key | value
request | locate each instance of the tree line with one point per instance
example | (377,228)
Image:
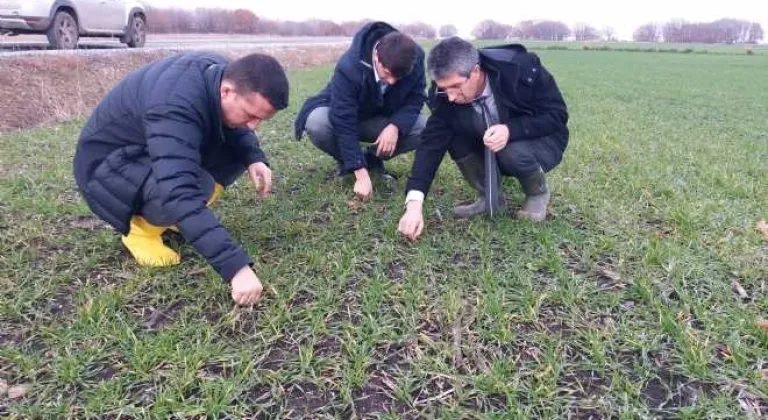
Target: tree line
(728,31)
(243,21)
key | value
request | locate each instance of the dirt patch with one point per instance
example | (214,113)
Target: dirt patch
(307,398)
(584,384)
(488,403)
(281,353)
(429,327)
(469,259)
(328,346)
(607,275)
(394,357)
(155,318)
(553,321)
(12,336)
(103,371)
(658,228)
(215,370)
(582,413)
(142,393)
(86,222)
(59,88)
(62,304)
(435,390)
(301,298)
(396,270)
(669,391)
(375,397)
(574,262)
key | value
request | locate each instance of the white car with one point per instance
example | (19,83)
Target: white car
(65,21)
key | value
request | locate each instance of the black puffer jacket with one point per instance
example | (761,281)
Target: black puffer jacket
(162,120)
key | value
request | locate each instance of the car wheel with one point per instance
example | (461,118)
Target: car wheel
(137,32)
(63,33)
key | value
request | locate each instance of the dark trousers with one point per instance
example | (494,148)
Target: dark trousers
(221,166)
(519,158)
(321,132)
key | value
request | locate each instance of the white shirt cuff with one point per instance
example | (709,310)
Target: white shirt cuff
(414,195)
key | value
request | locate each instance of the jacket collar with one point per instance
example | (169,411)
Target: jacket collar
(213,76)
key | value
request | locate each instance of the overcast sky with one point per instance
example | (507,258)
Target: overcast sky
(624,17)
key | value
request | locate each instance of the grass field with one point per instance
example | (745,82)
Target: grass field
(622,305)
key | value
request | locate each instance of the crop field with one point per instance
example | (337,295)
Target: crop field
(641,296)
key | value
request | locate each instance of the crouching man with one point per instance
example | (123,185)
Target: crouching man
(166,141)
(501,98)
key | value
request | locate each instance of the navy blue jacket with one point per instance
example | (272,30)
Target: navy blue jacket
(162,120)
(353,95)
(528,100)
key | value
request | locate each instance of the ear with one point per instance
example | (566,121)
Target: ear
(227,89)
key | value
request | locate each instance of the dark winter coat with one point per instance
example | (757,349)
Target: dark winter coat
(161,121)
(353,95)
(526,95)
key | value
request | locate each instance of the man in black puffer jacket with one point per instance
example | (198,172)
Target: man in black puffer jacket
(375,95)
(164,143)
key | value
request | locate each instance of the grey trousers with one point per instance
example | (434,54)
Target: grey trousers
(321,132)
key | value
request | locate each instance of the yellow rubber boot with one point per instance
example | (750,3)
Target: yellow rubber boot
(217,190)
(145,243)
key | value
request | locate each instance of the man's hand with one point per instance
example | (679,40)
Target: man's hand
(412,223)
(387,141)
(363,185)
(261,176)
(246,287)
(496,137)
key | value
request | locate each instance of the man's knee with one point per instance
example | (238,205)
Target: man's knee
(517,160)
(152,207)
(419,125)
(319,127)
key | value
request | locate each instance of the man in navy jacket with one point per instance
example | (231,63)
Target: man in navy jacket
(376,94)
(164,143)
(501,98)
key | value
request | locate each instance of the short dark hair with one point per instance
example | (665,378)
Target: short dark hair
(452,56)
(259,73)
(397,53)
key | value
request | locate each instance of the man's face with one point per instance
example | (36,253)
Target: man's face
(461,89)
(383,72)
(244,110)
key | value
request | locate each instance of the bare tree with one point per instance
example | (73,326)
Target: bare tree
(650,32)
(419,30)
(446,31)
(584,32)
(490,29)
(609,33)
(728,31)
(755,33)
(547,30)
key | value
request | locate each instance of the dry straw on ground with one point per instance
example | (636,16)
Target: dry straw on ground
(46,89)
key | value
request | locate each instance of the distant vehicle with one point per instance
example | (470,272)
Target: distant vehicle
(65,21)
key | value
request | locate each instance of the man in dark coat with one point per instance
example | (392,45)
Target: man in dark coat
(501,98)
(164,143)
(376,94)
